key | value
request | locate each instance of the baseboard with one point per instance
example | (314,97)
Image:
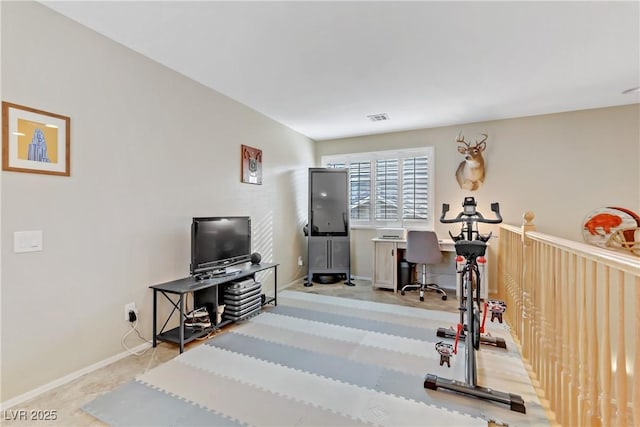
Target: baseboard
(295,282)
(68,378)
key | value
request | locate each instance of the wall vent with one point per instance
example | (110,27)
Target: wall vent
(378,117)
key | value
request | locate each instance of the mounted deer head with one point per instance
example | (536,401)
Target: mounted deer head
(470,173)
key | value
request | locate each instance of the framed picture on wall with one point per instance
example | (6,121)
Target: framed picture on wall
(251,165)
(35,141)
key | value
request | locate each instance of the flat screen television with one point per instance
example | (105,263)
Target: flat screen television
(219,242)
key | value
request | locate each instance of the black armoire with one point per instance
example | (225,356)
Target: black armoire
(328,229)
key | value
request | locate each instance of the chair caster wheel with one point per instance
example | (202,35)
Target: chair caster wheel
(421,298)
(444,297)
(401,292)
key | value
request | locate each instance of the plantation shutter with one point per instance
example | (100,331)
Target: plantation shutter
(387,189)
(360,190)
(415,188)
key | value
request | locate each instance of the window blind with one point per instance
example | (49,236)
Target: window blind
(415,187)
(387,189)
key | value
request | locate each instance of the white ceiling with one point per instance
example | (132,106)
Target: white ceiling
(322,67)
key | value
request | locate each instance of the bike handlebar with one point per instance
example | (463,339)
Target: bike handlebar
(474,216)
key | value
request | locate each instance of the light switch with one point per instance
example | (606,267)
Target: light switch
(27,241)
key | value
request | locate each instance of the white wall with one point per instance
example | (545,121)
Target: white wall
(149,150)
(560,166)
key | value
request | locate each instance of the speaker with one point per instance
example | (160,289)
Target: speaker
(256,258)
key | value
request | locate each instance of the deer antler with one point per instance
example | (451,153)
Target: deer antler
(483,139)
(460,140)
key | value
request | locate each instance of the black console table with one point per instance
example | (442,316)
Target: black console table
(181,287)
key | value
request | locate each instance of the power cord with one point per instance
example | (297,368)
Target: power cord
(133,320)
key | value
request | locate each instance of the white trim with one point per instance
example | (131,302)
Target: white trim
(68,378)
(375,155)
(296,281)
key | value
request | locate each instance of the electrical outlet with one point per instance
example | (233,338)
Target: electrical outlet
(300,263)
(129,307)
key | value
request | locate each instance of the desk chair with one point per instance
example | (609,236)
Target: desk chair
(423,248)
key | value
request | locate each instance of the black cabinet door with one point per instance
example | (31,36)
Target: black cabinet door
(340,256)
(318,253)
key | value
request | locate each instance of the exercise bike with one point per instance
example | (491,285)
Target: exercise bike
(471,249)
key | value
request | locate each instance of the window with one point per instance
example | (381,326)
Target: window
(389,188)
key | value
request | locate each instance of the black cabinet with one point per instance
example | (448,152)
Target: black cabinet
(329,254)
(243,300)
(328,232)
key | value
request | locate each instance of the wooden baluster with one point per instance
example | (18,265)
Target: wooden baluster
(510,267)
(564,411)
(534,343)
(503,265)
(520,292)
(527,321)
(605,365)
(549,333)
(558,305)
(635,397)
(621,359)
(582,345)
(592,333)
(547,356)
(511,319)
(539,306)
(526,283)
(514,313)
(574,322)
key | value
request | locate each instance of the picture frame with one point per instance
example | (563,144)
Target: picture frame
(35,141)
(251,165)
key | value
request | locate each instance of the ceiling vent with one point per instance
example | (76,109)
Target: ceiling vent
(378,117)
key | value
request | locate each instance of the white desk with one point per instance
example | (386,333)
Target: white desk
(387,253)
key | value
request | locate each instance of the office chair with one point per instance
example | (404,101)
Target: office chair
(423,248)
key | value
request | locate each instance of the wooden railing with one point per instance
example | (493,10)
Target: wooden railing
(574,309)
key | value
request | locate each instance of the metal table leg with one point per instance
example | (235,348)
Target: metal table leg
(155,314)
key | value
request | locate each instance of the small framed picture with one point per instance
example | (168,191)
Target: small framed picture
(35,141)
(251,165)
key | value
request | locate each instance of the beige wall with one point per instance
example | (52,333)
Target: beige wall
(560,166)
(149,150)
